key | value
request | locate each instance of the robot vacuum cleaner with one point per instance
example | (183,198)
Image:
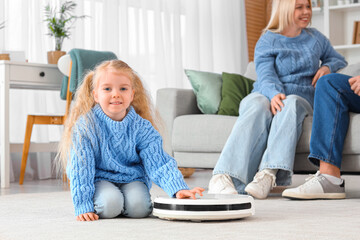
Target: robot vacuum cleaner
(210,207)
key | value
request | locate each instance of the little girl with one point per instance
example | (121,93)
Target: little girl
(114,149)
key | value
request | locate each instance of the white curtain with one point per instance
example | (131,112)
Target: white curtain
(158,38)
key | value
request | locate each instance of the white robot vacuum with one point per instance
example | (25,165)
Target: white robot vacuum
(210,207)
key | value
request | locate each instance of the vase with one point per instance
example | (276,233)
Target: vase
(53,56)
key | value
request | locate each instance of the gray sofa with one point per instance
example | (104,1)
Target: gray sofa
(196,140)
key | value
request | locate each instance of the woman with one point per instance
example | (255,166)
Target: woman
(264,138)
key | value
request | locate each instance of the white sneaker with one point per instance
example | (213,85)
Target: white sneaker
(221,184)
(260,187)
(316,187)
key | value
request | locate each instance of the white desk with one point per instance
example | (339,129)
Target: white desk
(24,76)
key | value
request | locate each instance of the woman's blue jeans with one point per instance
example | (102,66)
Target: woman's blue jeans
(261,140)
(334,99)
(128,199)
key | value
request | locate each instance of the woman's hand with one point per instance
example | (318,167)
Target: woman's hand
(355,84)
(321,72)
(190,193)
(90,216)
(276,103)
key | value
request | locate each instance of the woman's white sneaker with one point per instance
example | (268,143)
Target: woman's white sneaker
(263,182)
(317,187)
(221,184)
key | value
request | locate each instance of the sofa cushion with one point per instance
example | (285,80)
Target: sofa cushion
(208,133)
(303,145)
(201,133)
(234,88)
(352,141)
(351,145)
(351,70)
(207,89)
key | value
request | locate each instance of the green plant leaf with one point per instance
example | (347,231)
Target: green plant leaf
(60,21)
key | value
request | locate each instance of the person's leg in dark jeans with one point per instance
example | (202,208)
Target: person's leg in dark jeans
(334,99)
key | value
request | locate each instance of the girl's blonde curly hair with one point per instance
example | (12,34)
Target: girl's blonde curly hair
(84,102)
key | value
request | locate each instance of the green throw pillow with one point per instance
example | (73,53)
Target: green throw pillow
(207,89)
(235,87)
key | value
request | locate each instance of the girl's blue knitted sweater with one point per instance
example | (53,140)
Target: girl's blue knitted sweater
(120,152)
(287,65)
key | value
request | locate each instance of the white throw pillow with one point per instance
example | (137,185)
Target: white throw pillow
(250,71)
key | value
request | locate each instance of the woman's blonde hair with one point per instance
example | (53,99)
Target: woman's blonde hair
(84,102)
(282,15)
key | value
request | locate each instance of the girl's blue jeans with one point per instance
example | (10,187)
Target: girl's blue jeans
(261,140)
(334,99)
(128,199)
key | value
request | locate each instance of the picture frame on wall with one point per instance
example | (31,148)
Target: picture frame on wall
(356,33)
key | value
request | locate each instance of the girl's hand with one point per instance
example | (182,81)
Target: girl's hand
(190,193)
(355,84)
(90,216)
(321,72)
(276,103)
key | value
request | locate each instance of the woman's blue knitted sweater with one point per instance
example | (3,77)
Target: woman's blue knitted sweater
(287,65)
(120,152)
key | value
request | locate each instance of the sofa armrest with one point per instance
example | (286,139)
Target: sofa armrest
(171,103)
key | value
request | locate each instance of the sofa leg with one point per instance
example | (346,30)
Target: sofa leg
(187,172)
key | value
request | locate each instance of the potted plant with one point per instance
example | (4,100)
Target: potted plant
(4,56)
(59,22)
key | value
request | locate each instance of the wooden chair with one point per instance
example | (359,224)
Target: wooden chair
(64,66)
